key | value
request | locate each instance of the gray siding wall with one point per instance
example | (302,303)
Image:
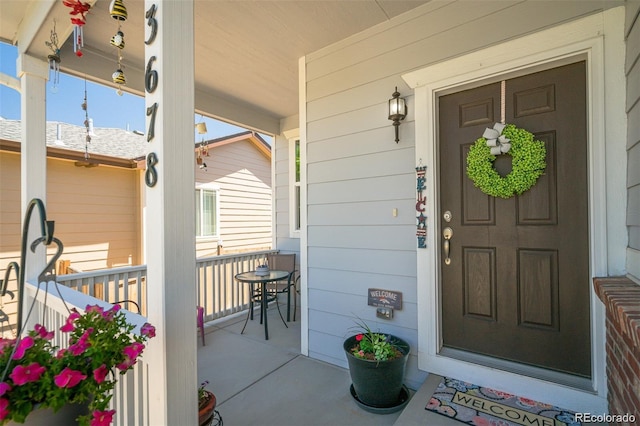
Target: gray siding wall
(632,70)
(357,174)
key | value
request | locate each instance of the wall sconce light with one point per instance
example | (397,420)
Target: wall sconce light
(397,110)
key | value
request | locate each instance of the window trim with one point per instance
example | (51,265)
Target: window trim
(211,188)
(294,210)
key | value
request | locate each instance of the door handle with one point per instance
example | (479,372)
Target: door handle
(447,233)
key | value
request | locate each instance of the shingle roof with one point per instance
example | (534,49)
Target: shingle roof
(112,142)
(116,143)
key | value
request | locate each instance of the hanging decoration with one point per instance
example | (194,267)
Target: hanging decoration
(87,123)
(118,11)
(78,19)
(528,161)
(203,150)
(421,200)
(54,58)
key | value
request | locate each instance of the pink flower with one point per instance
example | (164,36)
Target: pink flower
(4,404)
(42,332)
(61,353)
(25,374)
(82,344)
(148,330)
(6,343)
(100,373)
(359,337)
(4,388)
(68,326)
(94,308)
(130,353)
(102,418)
(25,343)
(68,378)
(108,315)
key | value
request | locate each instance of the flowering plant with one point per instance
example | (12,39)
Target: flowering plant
(38,374)
(374,346)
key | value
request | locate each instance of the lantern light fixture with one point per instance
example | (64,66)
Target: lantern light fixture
(397,110)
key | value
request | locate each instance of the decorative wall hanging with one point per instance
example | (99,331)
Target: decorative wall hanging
(54,58)
(421,200)
(78,19)
(528,161)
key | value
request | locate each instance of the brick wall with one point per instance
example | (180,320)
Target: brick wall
(621,298)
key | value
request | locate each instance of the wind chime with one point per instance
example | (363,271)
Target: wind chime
(54,58)
(87,126)
(118,12)
(78,19)
(203,149)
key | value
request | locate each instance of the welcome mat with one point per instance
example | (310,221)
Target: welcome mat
(480,406)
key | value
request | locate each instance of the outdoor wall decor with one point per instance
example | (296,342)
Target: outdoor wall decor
(421,200)
(528,160)
(54,58)
(78,19)
(150,84)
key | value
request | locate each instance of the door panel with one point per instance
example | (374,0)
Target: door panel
(517,287)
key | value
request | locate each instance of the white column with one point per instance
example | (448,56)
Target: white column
(170,215)
(33,73)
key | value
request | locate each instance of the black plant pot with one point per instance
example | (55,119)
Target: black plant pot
(378,384)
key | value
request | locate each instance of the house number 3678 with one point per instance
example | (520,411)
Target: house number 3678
(150,85)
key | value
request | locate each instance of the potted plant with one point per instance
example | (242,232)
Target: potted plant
(377,363)
(37,376)
(206,405)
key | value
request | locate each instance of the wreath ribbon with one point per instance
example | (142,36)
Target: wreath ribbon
(496,141)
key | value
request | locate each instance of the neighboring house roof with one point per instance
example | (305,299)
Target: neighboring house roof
(104,141)
(253,137)
(107,146)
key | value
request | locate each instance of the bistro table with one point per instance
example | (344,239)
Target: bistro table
(253,278)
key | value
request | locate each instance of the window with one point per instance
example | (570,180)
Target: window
(294,179)
(206,212)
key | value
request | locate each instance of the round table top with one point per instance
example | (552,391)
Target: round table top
(252,277)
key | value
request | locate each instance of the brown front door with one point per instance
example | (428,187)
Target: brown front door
(517,287)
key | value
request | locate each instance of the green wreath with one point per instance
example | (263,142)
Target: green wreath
(528,164)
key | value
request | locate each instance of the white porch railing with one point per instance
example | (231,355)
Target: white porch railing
(131,394)
(217,290)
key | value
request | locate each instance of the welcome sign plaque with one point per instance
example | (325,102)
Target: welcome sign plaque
(385,298)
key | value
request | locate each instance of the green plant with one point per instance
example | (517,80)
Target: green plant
(203,394)
(528,164)
(38,374)
(374,346)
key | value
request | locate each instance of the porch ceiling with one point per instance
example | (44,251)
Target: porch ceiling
(246,51)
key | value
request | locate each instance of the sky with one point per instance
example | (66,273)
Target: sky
(104,105)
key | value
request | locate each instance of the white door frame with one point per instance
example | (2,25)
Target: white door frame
(598,39)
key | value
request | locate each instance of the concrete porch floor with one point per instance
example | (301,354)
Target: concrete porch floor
(268,382)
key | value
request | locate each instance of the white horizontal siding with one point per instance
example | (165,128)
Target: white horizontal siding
(357,174)
(632,69)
